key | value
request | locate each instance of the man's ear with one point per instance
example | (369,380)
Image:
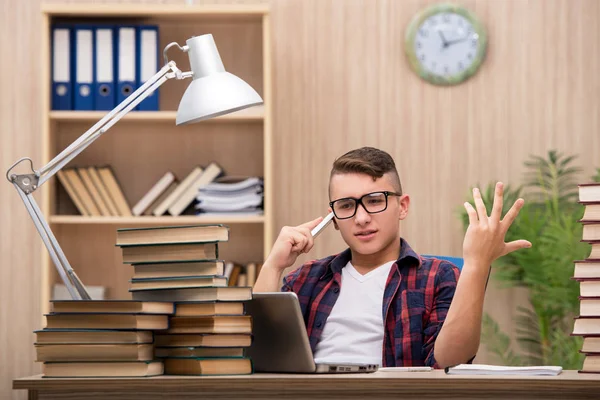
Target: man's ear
(404,203)
(335,225)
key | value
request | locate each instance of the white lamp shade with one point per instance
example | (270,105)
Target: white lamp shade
(213,91)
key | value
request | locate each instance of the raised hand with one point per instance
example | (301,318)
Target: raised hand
(484,239)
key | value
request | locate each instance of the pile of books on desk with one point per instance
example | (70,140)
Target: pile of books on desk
(209,329)
(101,338)
(587,273)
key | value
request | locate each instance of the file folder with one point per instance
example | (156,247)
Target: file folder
(105,75)
(62,90)
(83,68)
(126,62)
(147,63)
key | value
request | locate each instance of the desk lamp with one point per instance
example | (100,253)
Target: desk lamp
(212,92)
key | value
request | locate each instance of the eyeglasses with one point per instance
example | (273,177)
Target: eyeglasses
(373,203)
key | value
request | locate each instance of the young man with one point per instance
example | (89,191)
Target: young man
(378,301)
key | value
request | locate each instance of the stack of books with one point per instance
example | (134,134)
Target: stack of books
(209,330)
(240,195)
(101,338)
(587,273)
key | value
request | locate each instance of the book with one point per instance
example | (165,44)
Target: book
(93,191)
(589,306)
(179,190)
(103,191)
(589,192)
(178,269)
(589,287)
(589,268)
(89,336)
(591,344)
(586,325)
(73,195)
(172,234)
(174,283)
(209,174)
(94,352)
(107,321)
(481,369)
(211,324)
(111,306)
(208,366)
(102,369)
(202,340)
(160,199)
(199,352)
(595,250)
(209,308)
(82,192)
(113,188)
(591,363)
(153,193)
(591,211)
(169,252)
(195,294)
(591,231)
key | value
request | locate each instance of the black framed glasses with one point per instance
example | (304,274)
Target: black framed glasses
(373,203)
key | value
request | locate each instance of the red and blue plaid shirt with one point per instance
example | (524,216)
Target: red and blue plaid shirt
(417,296)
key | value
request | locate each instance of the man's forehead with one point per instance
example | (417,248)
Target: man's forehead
(357,185)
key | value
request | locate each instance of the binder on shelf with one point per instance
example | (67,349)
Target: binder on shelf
(147,63)
(83,67)
(126,61)
(105,98)
(62,89)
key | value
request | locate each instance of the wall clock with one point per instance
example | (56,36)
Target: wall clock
(445,44)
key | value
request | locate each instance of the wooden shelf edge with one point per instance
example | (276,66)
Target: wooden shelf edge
(247,115)
(133,10)
(149,220)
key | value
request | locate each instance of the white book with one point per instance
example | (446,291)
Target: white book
(157,189)
(179,190)
(208,175)
(237,206)
(229,186)
(483,369)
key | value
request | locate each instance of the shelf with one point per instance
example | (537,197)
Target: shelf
(148,220)
(151,10)
(252,114)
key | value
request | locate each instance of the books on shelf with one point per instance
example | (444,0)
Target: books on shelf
(161,186)
(243,195)
(587,273)
(209,329)
(95,191)
(91,338)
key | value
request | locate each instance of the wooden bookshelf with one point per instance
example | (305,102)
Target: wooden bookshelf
(142,146)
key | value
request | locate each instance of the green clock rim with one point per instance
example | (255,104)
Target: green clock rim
(412,30)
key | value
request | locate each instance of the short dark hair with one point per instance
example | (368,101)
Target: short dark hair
(369,161)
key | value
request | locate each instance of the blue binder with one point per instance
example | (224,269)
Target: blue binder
(147,63)
(105,96)
(62,87)
(82,63)
(125,61)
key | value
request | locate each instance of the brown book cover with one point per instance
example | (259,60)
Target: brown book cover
(214,366)
(66,183)
(102,369)
(114,189)
(211,324)
(92,336)
(195,294)
(202,340)
(107,321)
(112,306)
(196,309)
(173,234)
(178,269)
(93,190)
(82,192)
(169,252)
(94,352)
(103,191)
(174,283)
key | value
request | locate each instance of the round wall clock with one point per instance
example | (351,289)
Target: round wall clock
(445,44)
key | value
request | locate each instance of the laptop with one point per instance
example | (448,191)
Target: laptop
(280,342)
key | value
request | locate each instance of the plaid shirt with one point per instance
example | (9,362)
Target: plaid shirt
(417,296)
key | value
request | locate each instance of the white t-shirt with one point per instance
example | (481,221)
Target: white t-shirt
(354,330)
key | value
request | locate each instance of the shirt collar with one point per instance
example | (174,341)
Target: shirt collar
(407,257)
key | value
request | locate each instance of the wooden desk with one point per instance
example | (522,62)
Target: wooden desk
(414,385)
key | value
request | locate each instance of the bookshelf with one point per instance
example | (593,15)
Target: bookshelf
(144,145)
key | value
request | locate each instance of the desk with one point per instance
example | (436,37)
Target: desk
(412,385)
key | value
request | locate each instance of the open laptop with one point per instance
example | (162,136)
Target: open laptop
(280,342)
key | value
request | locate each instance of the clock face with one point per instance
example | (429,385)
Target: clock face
(445,44)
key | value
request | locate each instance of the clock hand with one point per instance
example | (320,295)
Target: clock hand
(444,43)
(451,42)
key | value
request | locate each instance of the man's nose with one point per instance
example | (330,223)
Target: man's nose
(362,216)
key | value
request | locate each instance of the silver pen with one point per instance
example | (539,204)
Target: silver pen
(326,221)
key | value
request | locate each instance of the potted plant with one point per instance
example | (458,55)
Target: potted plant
(549,220)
